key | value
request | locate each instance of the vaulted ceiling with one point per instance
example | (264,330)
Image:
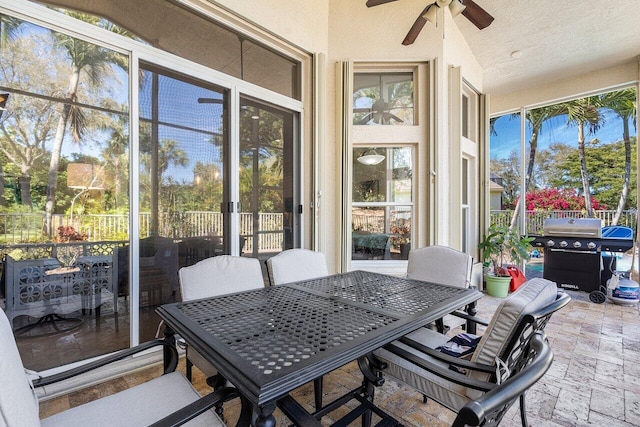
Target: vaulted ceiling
(556,38)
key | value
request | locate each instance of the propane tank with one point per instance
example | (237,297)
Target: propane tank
(621,290)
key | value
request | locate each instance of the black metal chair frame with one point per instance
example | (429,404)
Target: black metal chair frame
(489,409)
(514,355)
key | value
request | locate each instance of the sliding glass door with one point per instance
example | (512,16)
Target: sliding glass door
(269,209)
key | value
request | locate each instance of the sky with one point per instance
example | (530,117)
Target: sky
(554,130)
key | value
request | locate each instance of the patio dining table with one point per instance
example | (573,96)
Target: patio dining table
(269,341)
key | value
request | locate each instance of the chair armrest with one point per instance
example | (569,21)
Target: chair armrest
(442,371)
(494,404)
(122,354)
(204,404)
(474,319)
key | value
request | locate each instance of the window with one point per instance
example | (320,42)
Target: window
(466,211)
(383,99)
(382,208)
(62,230)
(469,113)
(218,46)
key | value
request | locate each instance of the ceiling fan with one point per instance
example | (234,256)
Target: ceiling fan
(379,113)
(474,13)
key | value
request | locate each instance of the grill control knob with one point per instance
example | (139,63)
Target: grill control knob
(577,245)
(591,245)
(564,244)
(551,243)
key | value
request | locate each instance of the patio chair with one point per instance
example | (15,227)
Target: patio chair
(441,264)
(489,409)
(167,400)
(212,277)
(158,266)
(294,265)
(501,351)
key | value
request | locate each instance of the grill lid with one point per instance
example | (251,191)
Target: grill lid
(575,227)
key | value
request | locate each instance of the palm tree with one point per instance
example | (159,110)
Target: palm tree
(116,157)
(90,61)
(623,103)
(535,118)
(581,112)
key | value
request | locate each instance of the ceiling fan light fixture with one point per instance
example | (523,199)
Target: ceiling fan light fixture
(370,158)
(432,14)
(456,7)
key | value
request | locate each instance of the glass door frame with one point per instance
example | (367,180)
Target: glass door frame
(139,52)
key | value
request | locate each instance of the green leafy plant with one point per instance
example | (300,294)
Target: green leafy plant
(503,246)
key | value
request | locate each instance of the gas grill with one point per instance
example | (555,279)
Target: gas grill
(573,252)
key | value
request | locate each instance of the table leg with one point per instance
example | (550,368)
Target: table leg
(317,393)
(471,311)
(265,416)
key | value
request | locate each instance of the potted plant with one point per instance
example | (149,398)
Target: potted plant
(401,237)
(501,247)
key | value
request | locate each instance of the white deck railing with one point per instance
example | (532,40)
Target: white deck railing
(28,227)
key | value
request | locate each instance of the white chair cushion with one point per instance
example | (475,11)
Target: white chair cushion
(440,264)
(18,405)
(529,298)
(141,405)
(294,265)
(218,276)
(449,394)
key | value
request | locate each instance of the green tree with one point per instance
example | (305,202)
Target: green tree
(91,63)
(29,123)
(116,156)
(623,104)
(580,113)
(549,174)
(536,118)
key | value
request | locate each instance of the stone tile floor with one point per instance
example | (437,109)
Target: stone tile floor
(594,380)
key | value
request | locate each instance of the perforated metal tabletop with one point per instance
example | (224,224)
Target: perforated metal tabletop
(269,341)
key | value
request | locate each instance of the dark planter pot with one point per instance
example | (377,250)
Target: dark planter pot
(404,250)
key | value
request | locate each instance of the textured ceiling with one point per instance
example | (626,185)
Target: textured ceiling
(557,38)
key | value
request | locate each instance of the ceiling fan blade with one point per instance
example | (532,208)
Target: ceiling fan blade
(389,116)
(364,120)
(477,15)
(372,3)
(417,26)
(209,101)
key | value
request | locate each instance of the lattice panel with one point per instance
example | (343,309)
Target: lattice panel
(40,287)
(102,248)
(395,294)
(280,327)
(35,286)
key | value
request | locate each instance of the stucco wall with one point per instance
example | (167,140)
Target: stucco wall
(305,26)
